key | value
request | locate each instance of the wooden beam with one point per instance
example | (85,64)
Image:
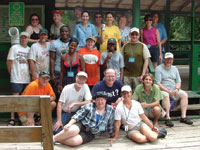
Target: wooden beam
(66,3)
(197,6)
(84,5)
(152,4)
(20,134)
(101,2)
(186,3)
(118,3)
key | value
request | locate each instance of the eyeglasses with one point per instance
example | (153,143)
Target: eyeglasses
(98,16)
(34,19)
(148,20)
(134,34)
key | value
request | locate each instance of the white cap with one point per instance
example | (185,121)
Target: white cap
(169,55)
(24,34)
(126,88)
(82,73)
(134,29)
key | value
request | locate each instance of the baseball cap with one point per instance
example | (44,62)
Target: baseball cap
(45,74)
(126,88)
(25,34)
(43,31)
(134,29)
(82,73)
(100,94)
(91,37)
(112,41)
(57,12)
(168,55)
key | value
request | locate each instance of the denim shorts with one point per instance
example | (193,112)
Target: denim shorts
(154,51)
(18,87)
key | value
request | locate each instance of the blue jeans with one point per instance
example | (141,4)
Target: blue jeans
(65,119)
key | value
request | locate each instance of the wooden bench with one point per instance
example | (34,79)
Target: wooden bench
(23,134)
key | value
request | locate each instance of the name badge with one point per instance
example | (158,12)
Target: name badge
(148,46)
(102,128)
(126,128)
(131,60)
(70,74)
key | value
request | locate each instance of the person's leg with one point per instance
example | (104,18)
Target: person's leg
(183,103)
(138,137)
(135,82)
(73,141)
(53,105)
(65,119)
(148,133)
(64,135)
(157,113)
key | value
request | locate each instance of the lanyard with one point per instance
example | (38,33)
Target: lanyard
(127,116)
(70,65)
(132,50)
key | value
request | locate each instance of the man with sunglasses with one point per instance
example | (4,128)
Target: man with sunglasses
(136,59)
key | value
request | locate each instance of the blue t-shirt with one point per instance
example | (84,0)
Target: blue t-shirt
(163,33)
(81,34)
(112,92)
(59,48)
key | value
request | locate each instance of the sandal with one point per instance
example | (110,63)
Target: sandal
(11,122)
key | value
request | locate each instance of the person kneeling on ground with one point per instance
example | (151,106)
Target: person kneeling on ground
(131,114)
(38,87)
(72,97)
(90,120)
(149,95)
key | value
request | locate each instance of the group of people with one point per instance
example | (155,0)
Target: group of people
(68,69)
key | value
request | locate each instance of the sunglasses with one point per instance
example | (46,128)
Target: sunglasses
(148,20)
(134,34)
(98,16)
(34,19)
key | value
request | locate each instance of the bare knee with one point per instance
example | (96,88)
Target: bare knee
(138,138)
(152,137)
(53,105)
(74,141)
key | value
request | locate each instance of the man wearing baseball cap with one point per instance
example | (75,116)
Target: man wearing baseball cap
(17,65)
(71,98)
(136,59)
(131,115)
(39,55)
(168,78)
(55,28)
(40,86)
(113,59)
(92,60)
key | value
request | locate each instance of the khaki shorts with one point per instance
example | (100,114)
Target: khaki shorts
(137,128)
(131,81)
(176,98)
(149,113)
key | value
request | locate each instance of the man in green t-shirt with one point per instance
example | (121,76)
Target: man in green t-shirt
(136,59)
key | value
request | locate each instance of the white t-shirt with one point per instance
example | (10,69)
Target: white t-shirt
(130,118)
(41,57)
(69,95)
(19,69)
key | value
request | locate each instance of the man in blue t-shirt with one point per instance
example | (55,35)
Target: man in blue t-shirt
(109,85)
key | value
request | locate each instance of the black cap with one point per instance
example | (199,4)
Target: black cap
(100,94)
(112,41)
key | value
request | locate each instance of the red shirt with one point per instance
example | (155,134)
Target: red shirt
(92,60)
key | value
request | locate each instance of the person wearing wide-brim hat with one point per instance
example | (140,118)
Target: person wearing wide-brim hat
(90,120)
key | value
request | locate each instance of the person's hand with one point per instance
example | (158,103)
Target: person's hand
(144,105)
(140,78)
(30,121)
(176,92)
(67,126)
(53,78)
(69,108)
(160,58)
(171,93)
(114,105)
(112,139)
(109,55)
(155,129)
(57,125)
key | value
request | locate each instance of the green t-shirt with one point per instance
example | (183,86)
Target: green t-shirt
(154,95)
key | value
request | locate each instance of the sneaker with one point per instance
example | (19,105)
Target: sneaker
(186,121)
(169,123)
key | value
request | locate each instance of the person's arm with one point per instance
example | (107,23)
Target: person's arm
(144,69)
(59,118)
(149,123)
(104,65)
(159,43)
(163,41)
(9,64)
(82,61)
(101,38)
(32,69)
(117,126)
(77,104)
(142,35)
(121,74)
(145,105)
(71,122)
(52,66)
(61,72)
(120,43)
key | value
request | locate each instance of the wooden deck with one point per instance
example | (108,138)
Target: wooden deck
(180,137)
